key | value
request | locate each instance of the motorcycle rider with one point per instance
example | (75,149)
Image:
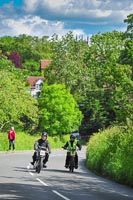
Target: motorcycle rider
(72,143)
(43,142)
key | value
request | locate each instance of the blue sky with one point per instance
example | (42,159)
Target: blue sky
(46,17)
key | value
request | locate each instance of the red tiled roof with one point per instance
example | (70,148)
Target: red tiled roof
(45,63)
(33,79)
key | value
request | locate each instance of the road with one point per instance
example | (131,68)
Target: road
(19,181)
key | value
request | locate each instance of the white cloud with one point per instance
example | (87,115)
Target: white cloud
(80,9)
(30,5)
(46,17)
(56,4)
(34,25)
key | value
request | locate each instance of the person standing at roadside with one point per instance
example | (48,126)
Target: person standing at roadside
(11,138)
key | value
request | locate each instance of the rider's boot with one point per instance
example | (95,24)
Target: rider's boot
(44,164)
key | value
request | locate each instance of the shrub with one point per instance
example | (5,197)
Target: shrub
(110,153)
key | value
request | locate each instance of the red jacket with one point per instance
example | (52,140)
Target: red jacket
(11,135)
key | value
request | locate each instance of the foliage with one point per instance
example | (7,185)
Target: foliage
(110,153)
(32,67)
(6,64)
(59,113)
(68,65)
(110,99)
(129,21)
(127,53)
(30,49)
(16,59)
(15,101)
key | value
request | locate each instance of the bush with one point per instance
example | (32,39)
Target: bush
(110,153)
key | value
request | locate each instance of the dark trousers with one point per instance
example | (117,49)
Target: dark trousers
(45,159)
(68,158)
(11,144)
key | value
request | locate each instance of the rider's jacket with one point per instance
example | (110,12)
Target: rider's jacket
(42,143)
(73,144)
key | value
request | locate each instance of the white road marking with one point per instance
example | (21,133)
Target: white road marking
(28,167)
(31,174)
(52,190)
(60,195)
(41,182)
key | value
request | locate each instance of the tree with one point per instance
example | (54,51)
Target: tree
(6,64)
(105,49)
(127,53)
(15,58)
(68,65)
(109,101)
(16,103)
(31,50)
(7,44)
(129,21)
(59,113)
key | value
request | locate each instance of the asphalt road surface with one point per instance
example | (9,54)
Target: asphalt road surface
(18,180)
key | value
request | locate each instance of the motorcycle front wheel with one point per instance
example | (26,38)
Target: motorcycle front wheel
(38,166)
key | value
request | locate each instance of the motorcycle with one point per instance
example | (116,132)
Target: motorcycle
(71,165)
(72,159)
(40,155)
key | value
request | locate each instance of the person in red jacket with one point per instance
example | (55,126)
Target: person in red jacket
(12,138)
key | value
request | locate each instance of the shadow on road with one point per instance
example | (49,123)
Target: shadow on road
(15,191)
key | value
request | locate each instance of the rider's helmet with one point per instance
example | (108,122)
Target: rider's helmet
(44,133)
(72,136)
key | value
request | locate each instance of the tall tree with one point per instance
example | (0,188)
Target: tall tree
(102,106)
(15,102)
(68,65)
(129,21)
(59,112)
(127,53)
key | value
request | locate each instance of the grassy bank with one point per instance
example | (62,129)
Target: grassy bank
(26,142)
(110,153)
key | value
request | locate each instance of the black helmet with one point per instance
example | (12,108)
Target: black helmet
(72,136)
(44,133)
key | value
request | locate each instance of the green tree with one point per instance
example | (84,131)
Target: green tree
(129,21)
(59,113)
(127,53)
(68,65)
(16,104)
(104,50)
(109,100)
(6,64)
(7,44)
(31,50)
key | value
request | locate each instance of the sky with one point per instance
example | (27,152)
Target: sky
(48,17)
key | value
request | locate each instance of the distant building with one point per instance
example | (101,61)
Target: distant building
(35,83)
(44,64)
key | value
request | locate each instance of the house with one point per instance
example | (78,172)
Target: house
(35,83)
(44,64)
